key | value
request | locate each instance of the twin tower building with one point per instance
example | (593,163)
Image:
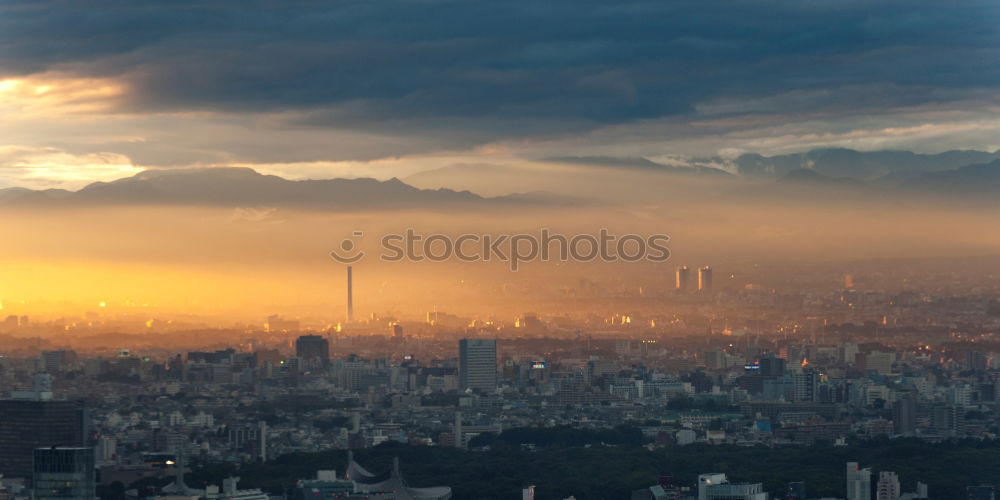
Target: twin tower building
(682,282)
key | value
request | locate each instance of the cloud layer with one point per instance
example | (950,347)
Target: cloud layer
(216,82)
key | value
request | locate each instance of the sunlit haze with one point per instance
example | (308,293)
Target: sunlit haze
(646,250)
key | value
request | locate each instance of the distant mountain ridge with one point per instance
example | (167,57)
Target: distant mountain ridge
(860,165)
(974,184)
(245,186)
(826,173)
(971,180)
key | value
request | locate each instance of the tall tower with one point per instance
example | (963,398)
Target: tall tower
(705,279)
(683,279)
(350,295)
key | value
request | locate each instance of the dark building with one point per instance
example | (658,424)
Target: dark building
(796,491)
(772,367)
(29,424)
(477,364)
(55,361)
(904,416)
(975,361)
(948,420)
(63,474)
(312,347)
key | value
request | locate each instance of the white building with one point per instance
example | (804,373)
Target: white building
(859,482)
(888,486)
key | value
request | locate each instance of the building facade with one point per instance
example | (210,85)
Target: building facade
(477,364)
(64,474)
(26,424)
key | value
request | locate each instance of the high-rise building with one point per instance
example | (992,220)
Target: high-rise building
(32,419)
(54,361)
(975,361)
(772,366)
(876,361)
(312,347)
(716,359)
(806,386)
(477,364)
(705,279)
(859,482)
(948,420)
(848,353)
(904,416)
(64,474)
(888,486)
(682,281)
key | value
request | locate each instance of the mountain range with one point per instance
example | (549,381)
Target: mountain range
(244,186)
(829,172)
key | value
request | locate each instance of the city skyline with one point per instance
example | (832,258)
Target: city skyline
(473,250)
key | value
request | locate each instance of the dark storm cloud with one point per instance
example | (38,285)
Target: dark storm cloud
(569,64)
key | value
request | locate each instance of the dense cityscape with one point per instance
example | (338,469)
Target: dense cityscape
(827,369)
(481,250)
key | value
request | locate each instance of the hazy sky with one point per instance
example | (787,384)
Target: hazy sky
(99,90)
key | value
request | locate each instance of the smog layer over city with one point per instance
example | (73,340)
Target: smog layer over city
(450,249)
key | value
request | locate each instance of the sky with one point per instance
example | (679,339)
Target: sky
(316,89)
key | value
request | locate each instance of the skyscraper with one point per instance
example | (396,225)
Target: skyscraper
(904,416)
(64,474)
(477,364)
(32,419)
(859,482)
(772,366)
(705,279)
(682,282)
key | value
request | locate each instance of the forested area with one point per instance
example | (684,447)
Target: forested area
(574,462)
